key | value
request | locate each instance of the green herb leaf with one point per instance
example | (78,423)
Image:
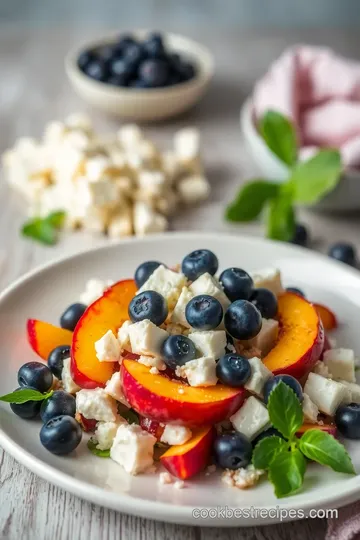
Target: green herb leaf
(131,416)
(285,410)
(314,178)
(44,230)
(279,134)
(24,395)
(266,450)
(281,218)
(326,450)
(91,444)
(250,200)
(56,219)
(286,472)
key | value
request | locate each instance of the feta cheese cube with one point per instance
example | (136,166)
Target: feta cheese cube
(94,290)
(251,419)
(167,283)
(200,372)
(194,189)
(105,433)
(67,380)
(268,278)
(153,362)
(325,393)
(114,389)
(79,120)
(130,135)
(152,182)
(96,167)
(96,405)
(259,375)
(133,448)
(207,284)
(146,338)
(165,478)
(242,478)
(321,369)
(146,221)
(121,224)
(341,364)
(354,390)
(107,348)
(266,338)
(124,337)
(187,143)
(210,343)
(310,410)
(178,315)
(174,434)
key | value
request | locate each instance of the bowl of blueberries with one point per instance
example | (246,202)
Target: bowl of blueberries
(143,75)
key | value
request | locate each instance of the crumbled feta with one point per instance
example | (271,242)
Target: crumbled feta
(341,363)
(167,283)
(146,338)
(179,484)
(154,371)
(242,478)
(354,390)
(123,336)
(96,167)
(69,385)
(165,478)
(121,224)
(130,135)
(174,329)
(133,448)
(105,433)
(194,189)
(268,278)
(322,369)
(310,410)
(207,284)
(211,343)
(259,375)
(107,348)
(152,182)
(152,361)
(94,289)
(96,405)
(251,419)
(325,393)
(114,389)
(178,315)
(175,434)
(187,143)
(199,372)
(266,338)
(146,221)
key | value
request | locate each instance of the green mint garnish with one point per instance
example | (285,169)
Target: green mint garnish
(22,396)
(91,444)
(326,450)
(285,410)
(286,472)
(280,136)
(44,230)
(130,416)
(251,200)
(267,449)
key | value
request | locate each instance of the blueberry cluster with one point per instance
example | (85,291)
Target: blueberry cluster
(133,63)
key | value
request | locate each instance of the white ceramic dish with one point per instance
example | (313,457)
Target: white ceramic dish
(144,104)
(47,291)
(345,197)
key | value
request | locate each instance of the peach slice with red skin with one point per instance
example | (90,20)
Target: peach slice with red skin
(301,337)
(44,337)
(328,428)
(107,313)
(186,460)
(152,426)
(165,400)
(328,317)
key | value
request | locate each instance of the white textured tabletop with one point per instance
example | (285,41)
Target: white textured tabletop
(33,90)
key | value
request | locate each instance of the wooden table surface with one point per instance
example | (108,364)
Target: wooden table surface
(34,90)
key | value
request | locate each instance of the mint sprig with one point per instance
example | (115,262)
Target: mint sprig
(44,230)
(285,459)
(307,183)
(24,395)
(130,416)
(91,444)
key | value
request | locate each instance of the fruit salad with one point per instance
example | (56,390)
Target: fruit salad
(194,372)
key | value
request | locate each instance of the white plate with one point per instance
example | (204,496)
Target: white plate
(46,292)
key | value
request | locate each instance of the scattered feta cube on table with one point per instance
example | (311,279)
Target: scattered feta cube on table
(67,380)
(178,315)
(211,343)
(167,283)
(105,433)
(187,143)
(326,393)
(130,135)
(200,372)
(341,363)
(114,389)
(268,278)
(259,375)
(174,434)
(251,419)
(133,448)
(96,405)
(310,410)
(146,221)
(146,338)
(207,284)
(108,348)
(194,189)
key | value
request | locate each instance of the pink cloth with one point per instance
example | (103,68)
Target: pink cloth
(347,526)
(320,92)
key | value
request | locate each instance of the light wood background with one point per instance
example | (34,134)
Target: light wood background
(33,90)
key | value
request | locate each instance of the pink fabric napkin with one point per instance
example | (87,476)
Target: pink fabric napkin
(347,525)
(320,92)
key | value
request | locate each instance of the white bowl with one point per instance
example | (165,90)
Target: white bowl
(148,104)
(346,195)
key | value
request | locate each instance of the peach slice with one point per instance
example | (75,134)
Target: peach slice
(328,317)
(165,400)
(329,428)
(106,313)
(301,337)
(152,426)
(44,337)
(186,460)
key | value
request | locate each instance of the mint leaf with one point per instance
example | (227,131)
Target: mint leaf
(280,136)
(281,218)
(266,449)
(314,178)
(250,200)
(24,395)
(44,230)
(91,444)
(326,450)
(131,416)
(56,219)
(286,472)
(285,410)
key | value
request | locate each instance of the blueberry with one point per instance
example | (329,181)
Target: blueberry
(270,432)
(343,252)
(106,53)
(144,271)
(120,67)
(199,262)
(134,54)
(301,236)
(138,83)
(85,58)
(56,359)
(154,46)
(154,72)
(177,350)
(36,375)
(347,419)
(232,451)
(242,320)
(124,42)
(118,80)
(61,435)
(204,312)
(266,302)
(97,69)
(148,305)
(237,284)
(71,316)
(186,71)
(27,410)
(60,403)
(297,291)
(288,380)
(233,370)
